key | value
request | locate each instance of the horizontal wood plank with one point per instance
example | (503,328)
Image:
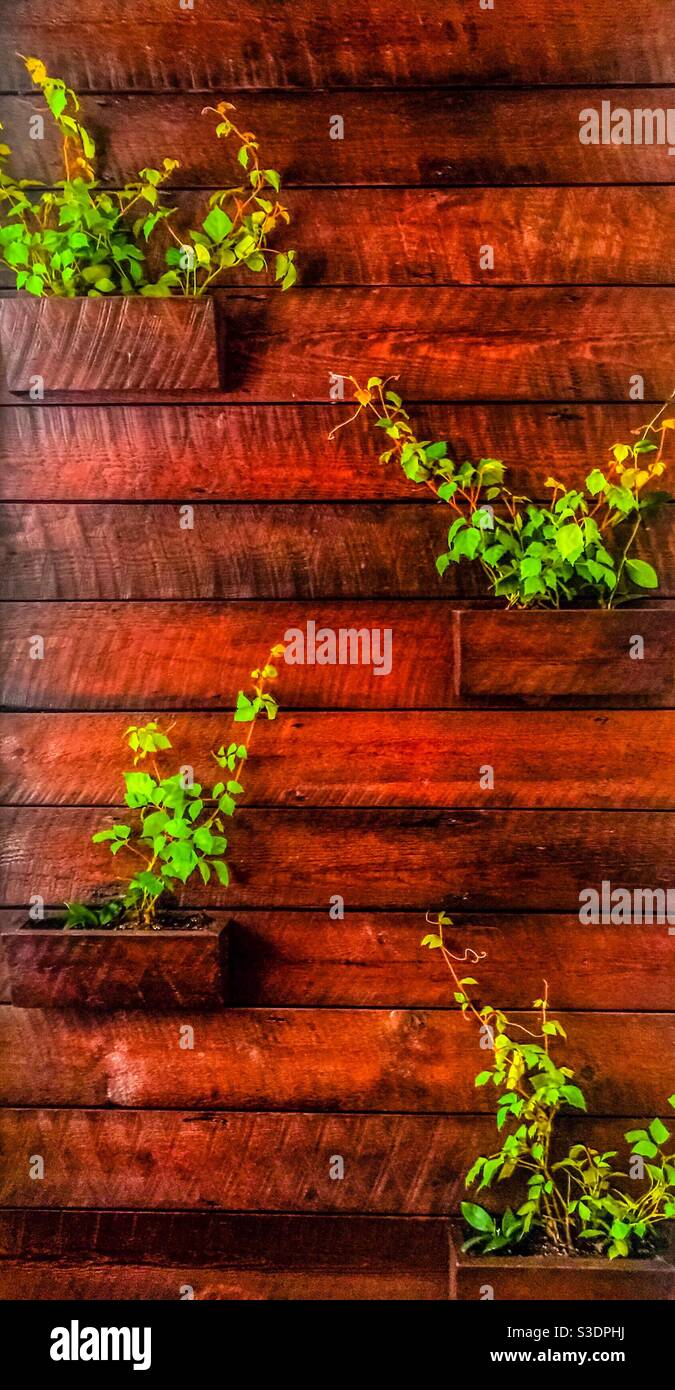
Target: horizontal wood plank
(519,344)
(565,344)
(539,860)
(67,453)
(159,1160)
(434,138)
(420,236)
(309,1059)
(92,1282)
(117,551)
(328,43)
(197,655)
(591,759)
(89,1282)
(96,1255)
(282,959)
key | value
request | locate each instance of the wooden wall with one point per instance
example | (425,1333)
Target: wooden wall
(460,128)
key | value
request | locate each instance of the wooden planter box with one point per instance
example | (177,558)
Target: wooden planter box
(49,967)
(535,1278)
(124,343)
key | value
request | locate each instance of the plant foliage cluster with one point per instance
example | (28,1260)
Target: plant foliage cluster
(175,827)
(574,1200)
(80,238)
(576,547)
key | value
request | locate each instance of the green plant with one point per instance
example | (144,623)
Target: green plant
(79,238)
(235,231)
(575,547)
(581,1198)
(175,828)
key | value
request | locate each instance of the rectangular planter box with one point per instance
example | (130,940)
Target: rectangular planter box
(124,343)
(538,1278)
(49,967)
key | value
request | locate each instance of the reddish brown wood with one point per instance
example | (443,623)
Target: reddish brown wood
(281,958)
(539,1278)
(313,44)
(120,1255)
(422,236)
(189,453)
(138,1159)
(93,551)
(51,968)
(309,1059)
(588,659)
(88,1282)
(381,858)
(432,137)
(522,344)
(197,655)
(303,958)
(574,759)
(108,345)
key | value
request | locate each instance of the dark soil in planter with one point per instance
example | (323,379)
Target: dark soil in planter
(537,1245)
(109,345)
(165,921)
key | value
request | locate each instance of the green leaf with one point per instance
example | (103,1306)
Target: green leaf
(478,1217)
(659,1133)
(573,1096)
(643,574)
(222,871)
(217,224)
(569,541)
(645,1148)
(595,482)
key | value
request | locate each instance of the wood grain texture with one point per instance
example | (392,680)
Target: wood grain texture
(312,44)
(197,655)
(383,858)
(65,453)
(91,1281)
(583,1280)
(281,958)
(432,138)
(309,1059)
(108,345)
(564,344)
(420,236)
(116,970)
(409,1165)
(283,551)
(604,651)
(591,759)
(519,344)
(375,959)
(151,1255)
